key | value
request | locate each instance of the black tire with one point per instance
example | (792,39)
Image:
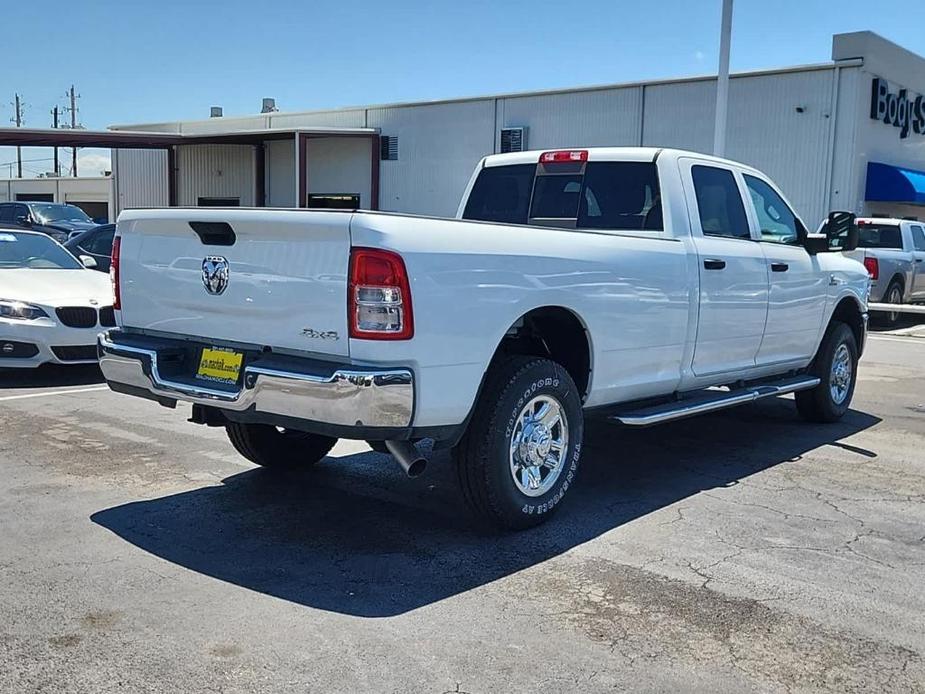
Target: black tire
(270,447)
(483,459)
(893,295)
(818,404)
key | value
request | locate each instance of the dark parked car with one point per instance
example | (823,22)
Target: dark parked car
(58,220)
(96,244)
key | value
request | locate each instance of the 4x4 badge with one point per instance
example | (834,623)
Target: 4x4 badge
(215,271)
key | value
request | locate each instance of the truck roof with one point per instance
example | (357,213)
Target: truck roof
(886,220)
(605,154)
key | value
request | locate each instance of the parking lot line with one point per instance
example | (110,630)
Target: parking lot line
(909,340)
(23,396)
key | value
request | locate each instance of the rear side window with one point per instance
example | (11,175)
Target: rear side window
(501,194)
(719,203)
(918,238)
(6,213)
(596,195)
(879,236)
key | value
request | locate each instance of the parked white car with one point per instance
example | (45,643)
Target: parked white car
(51,306)
(637,284)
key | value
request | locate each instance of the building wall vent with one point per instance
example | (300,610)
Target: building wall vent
(513,140)
(388,147)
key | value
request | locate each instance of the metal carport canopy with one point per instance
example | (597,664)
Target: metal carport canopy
(130,139)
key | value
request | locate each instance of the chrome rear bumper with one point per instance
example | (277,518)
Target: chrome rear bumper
(344,396)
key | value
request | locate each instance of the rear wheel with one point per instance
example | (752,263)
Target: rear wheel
(278,448)
(894,295)
(836,365)
(520,452)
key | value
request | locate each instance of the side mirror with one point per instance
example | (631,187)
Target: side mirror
(24,221)
(88,261)
(841,231)
(816,243)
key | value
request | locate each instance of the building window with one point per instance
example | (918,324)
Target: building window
(219,202)
(334,201)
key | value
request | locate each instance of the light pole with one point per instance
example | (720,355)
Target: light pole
(722,82)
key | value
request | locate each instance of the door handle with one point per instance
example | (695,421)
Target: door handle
(714,264)
(918,260)
(779,267)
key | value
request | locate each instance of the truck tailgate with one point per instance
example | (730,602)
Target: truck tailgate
(286,284)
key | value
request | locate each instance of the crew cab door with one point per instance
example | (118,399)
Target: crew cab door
(918,267)
(733,298)
(797,285)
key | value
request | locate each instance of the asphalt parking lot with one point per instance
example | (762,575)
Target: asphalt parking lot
(744,551)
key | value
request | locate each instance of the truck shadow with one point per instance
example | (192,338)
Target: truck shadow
(355,537)
(51,376)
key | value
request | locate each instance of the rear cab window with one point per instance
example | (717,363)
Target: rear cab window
(879,235)
(617,195)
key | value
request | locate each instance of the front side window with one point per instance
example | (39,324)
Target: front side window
(776,220)
(719,203)
(918,238)
(101,242)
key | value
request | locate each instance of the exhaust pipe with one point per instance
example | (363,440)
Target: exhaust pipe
(408,456)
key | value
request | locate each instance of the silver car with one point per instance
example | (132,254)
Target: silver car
(893,251)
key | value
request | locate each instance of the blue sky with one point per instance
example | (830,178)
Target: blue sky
(136,62)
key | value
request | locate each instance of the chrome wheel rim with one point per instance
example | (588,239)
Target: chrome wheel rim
(840,378)
(538,445)
(895,297)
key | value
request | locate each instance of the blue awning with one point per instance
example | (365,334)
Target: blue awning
(887,183)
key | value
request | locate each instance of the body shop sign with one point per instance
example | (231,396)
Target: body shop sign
(900,110)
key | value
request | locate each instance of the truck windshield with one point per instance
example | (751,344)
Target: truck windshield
(60,213)
(622,195)
(879,236)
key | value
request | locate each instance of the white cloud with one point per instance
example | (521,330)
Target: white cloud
(91,163)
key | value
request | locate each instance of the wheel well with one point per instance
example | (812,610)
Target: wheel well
(849,312)
(556,333)
(899,279)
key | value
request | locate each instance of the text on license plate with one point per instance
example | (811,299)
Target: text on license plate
(219,364)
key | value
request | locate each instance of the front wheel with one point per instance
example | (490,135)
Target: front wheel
(278,448)
(520,452)
(836,365)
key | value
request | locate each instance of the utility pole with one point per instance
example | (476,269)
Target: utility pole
(17,119)
(72,96)
(722,82)
(54,124)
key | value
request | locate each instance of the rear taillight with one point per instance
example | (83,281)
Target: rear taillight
(873,267)
(114,273)
(379,296)
(562,156)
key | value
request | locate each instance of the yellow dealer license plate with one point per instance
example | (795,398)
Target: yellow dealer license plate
(219,364)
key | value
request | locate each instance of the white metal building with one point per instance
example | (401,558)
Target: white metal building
(813,128)
(93,194)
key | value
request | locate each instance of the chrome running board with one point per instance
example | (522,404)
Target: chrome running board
(711,400)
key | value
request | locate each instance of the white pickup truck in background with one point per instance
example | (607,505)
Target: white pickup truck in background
(637,284)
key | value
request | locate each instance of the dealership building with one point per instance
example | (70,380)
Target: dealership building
(846,134)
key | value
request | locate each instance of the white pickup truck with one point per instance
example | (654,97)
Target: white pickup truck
(637,284)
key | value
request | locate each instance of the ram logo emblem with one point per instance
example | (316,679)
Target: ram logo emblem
(215,271)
